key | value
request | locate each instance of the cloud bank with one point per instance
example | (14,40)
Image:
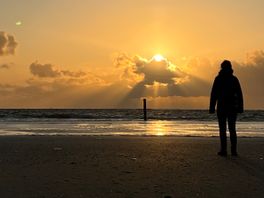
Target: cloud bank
(165,84)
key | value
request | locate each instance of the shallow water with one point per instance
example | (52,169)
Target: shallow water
(122,122)
(128,128)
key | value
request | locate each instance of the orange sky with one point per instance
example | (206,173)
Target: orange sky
(98,54)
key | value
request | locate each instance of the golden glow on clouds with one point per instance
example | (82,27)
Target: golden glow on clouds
(157,85)
(172,67)
(159,58)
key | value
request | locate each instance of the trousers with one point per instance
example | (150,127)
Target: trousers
(230,118)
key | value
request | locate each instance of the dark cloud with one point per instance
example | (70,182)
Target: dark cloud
(5,66)
(158,71)
(44,70)
(50,71)
(7,44)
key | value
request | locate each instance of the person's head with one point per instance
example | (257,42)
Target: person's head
(226,67)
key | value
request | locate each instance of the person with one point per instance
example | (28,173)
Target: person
(227,94)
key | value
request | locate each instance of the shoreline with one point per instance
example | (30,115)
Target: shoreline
(118,128)
(128,136)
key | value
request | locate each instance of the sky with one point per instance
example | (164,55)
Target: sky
(103,53)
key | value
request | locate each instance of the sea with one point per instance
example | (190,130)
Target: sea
(123,122)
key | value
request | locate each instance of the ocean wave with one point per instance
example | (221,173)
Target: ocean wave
(119,114)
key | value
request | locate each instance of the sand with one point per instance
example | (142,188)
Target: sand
(128,167)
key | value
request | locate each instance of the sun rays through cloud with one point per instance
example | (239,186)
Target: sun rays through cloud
(160,78)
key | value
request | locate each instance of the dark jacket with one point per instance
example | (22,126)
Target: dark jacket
(227,93)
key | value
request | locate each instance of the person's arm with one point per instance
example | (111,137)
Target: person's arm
(214,97)
(240,98)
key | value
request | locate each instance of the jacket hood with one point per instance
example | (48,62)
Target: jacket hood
(226,72)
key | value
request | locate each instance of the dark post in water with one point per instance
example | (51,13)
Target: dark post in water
(145,109)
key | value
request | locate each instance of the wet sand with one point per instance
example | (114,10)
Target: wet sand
(38,167)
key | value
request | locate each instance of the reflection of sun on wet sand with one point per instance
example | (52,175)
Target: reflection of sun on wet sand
(128,167)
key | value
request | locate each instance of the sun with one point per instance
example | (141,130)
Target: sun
(158,57)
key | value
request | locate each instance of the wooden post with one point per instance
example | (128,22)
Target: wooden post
(145,109)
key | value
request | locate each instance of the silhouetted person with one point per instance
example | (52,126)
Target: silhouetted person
(227,93)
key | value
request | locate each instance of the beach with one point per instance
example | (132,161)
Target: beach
(108,166)
(127,99)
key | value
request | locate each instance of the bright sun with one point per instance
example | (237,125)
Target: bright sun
(158,57)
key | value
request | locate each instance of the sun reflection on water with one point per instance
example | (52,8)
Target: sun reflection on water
(158,128)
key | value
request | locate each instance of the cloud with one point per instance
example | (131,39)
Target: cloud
(73,74)
(152,71)
(51,86)
(126,68)
(158,71)
(61,93)
(44,70)
(7,44)
(5,66)
(165,84)
(50,71)
(160,78)
(250,74)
